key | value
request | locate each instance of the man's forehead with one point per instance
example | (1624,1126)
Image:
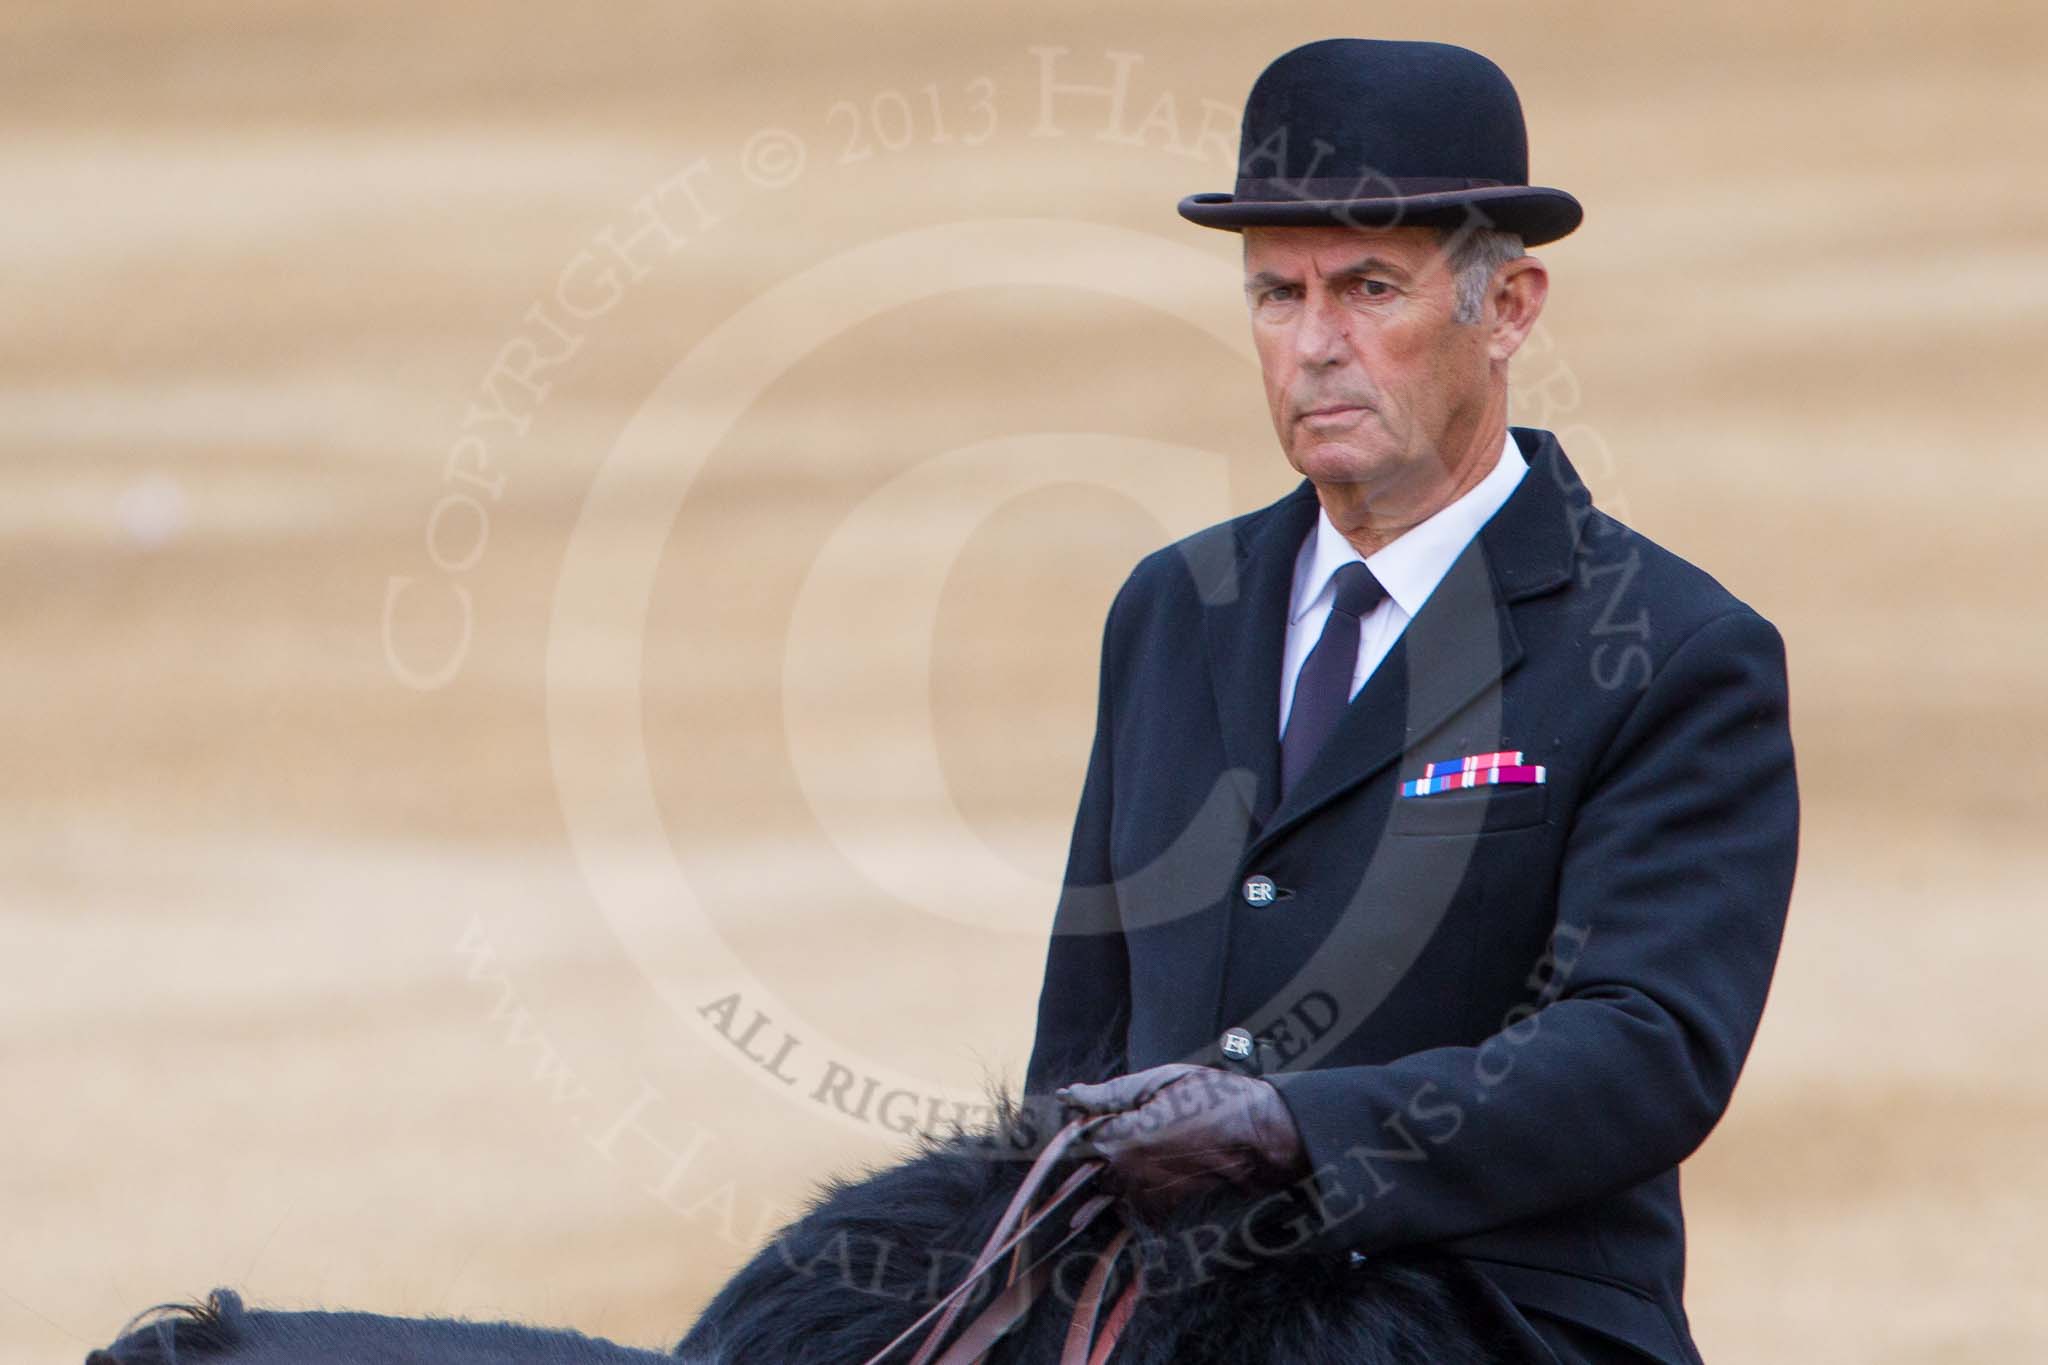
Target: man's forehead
(1326,247)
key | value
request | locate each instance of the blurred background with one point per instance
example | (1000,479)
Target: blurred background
(554,562)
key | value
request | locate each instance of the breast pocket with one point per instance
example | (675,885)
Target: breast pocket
(1478,810)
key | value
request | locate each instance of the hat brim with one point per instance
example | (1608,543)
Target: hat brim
(1533,212)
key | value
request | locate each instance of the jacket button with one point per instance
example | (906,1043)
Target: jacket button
(1236,1044)
(1260,891)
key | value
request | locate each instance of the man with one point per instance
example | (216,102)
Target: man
(1438,832)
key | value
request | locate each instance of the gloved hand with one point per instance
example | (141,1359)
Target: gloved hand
(1179,1129)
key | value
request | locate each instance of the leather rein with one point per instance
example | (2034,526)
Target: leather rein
(1090,1335)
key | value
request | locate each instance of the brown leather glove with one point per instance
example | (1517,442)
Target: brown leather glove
(1180,1129)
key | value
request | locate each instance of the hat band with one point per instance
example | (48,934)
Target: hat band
(1370,185)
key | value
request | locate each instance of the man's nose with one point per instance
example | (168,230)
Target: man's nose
(1320,337)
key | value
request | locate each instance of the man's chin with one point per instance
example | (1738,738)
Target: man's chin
(1325,462)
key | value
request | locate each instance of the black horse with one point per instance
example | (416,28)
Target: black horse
(870,1258)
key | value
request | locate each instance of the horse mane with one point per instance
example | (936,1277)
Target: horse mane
(868,1254)
(221,1328)
(166,1331)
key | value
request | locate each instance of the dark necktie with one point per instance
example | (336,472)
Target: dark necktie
(1324,688)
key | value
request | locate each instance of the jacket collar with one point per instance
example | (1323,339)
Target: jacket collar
(1461,641)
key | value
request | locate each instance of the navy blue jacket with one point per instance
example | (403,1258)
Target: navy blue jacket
(1500,1017)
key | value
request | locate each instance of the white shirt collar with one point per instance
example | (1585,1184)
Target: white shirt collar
(1411,565)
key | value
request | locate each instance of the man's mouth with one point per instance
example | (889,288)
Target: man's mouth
(1333,410)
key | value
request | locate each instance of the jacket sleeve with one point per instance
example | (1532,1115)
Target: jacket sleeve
(1084,1001)
(1671,904)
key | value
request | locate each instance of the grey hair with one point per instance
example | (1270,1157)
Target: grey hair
(1475,256)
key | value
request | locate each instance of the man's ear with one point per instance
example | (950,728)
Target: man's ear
(1516,301)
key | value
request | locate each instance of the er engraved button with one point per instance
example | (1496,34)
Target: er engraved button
(1237,1043)
(1260,891)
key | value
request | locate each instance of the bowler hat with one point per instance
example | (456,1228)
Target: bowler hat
(1369,133)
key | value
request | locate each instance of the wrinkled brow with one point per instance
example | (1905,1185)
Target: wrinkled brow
(1367,265)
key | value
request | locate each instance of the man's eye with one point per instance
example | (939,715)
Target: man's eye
(1375,288)
(1279,293)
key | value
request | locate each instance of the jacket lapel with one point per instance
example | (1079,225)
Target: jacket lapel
(1245,601)
(1460,643)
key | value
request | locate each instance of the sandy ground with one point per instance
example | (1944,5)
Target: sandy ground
(516,530)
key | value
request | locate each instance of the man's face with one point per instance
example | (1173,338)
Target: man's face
(1366,373)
